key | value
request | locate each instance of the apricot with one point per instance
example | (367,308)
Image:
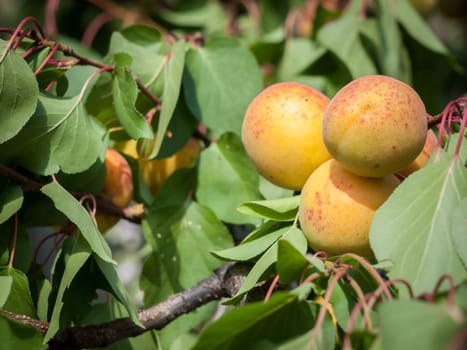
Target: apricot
(375,125)
(118,187)
(422,159)
(156,171)
(281,133)
(337,207)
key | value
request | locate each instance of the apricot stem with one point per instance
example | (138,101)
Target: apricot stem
(271,288)
(14,235)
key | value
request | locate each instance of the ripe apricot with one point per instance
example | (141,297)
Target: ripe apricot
(281,133)
(375,125)
(118,187)
(337,207)
(424,156)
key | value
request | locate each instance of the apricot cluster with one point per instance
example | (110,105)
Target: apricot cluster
(342,153)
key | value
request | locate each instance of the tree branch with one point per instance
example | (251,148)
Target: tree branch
(225,282)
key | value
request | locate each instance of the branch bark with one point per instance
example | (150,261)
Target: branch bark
(225,282)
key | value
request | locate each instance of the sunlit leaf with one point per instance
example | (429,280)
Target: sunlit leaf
(18,336)
(60,136)
(125,92)
(413,228)
(77,214)
(11,200)
(220,80)
(225,165)
(459,229)
(18,92)
(282,209)
(6,283)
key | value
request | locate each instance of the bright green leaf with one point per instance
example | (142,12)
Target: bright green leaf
(251,249)
(220,80)
(6,282)
(282,209)
(225,166)
(413,227)
(11,200)
(290,262)
(125,92)
(18,92)
(76,213)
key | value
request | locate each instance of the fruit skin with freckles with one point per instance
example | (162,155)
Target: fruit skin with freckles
(337,207)
(281,133)
(375,125)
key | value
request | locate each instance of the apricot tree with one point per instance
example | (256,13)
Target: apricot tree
(223,260)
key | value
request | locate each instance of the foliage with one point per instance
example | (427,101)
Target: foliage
(190,69)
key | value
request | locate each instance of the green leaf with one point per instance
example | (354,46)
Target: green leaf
(249,250)
(110,273)
(60,136)
(6,283)
(78,257)
(290,262)
(18,92)
(125,92)
(412,324)
(173,73)
(181,238)
(299,54)
(459,228)
(11,200)
(220,80)
(413,227)
(18,336)
(281,209)
(76,213)
(259,271)
(417,27)
(225,165)
(342,38)
(259,325)
(19,298)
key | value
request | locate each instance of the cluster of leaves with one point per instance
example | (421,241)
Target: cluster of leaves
(61,109)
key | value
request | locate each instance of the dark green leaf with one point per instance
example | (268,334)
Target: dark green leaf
(76,213)
(125,92)
(18,92)
(60,136)
(75,261)
(225,165)
(220,80)
(290,262)
(18,336)
(413,227)
(11,200)
(259,325)
(282,209)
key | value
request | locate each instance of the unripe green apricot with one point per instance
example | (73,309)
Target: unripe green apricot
(282,134)
(337,208)
(375,125)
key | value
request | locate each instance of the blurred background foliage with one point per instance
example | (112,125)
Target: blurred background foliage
(286,37)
